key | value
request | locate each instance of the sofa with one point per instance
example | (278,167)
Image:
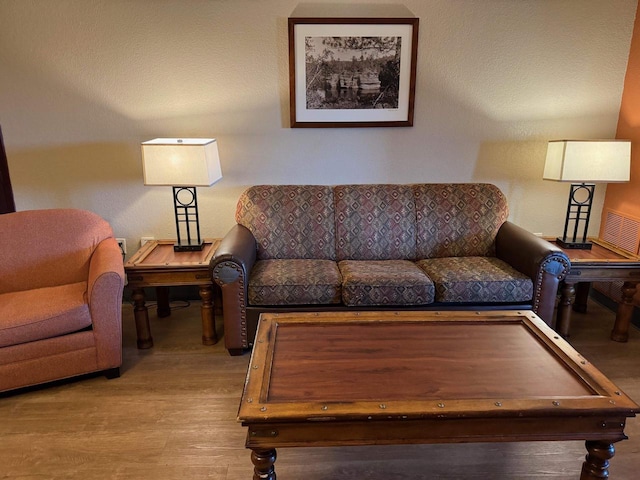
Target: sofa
(437,246)
(61,282)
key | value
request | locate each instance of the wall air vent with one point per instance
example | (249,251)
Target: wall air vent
(621,230)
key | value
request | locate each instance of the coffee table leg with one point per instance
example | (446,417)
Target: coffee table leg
(596,464)
(209,335)
(263,461)
(620,332)
(141,315)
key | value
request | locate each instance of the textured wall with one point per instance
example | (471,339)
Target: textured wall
(83,82)
(624,198)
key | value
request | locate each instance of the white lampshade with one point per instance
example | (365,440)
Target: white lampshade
(588,161)
(181,162)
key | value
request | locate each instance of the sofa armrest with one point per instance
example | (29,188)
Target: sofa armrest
(104,295)
(545,263)
(230,268)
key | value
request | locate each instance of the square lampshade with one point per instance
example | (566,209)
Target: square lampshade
(181,162)
(588,161)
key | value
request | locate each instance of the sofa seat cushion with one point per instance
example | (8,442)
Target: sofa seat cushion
(31,315)
(384,282)
(294,282)
(477,280)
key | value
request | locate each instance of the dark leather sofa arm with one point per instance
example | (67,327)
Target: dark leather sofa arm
(545,263)
(230,268)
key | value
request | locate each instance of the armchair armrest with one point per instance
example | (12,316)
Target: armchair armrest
(104,295)
(230,268)
(545,263)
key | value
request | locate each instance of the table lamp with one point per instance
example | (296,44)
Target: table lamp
(584,163)
(184,164)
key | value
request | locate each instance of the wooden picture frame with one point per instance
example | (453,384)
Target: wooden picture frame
(352,72)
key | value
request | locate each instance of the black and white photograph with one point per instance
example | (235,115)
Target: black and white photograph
(352,72)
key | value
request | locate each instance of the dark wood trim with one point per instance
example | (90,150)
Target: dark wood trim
(7,204)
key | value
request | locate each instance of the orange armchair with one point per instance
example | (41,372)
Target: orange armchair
(61,282)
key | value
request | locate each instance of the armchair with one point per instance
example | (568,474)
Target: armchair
(61,282)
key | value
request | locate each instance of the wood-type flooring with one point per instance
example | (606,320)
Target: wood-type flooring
(172,415)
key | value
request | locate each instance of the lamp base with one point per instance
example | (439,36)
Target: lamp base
(188,247)
(573,245)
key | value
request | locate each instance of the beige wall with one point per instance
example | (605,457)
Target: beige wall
(83,82)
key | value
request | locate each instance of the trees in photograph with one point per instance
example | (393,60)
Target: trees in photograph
(352,72)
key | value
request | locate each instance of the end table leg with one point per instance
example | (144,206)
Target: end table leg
(620,332)
(563,321)
(582,295)
(141,315)
(596,464)
(164,306)
(209,335)
(263,461)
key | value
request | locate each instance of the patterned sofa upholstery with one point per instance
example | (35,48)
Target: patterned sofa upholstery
(421,246)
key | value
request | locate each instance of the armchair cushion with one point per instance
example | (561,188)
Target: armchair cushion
(296,281)
(477,279)
(41,241)
(58,311)
(384,282)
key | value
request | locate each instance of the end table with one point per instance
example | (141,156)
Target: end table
(157,265)
(603,263)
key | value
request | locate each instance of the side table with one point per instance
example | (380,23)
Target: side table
(157,265)
(603,263)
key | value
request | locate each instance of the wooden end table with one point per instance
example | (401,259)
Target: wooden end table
(157,265)
(603,263)
(381,378)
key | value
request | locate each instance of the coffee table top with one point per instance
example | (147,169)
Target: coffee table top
(364,365)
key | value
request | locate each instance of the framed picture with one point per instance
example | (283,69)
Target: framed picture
(352,72)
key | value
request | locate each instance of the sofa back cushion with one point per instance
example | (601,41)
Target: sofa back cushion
(375,222)
(47,248)
(458,220)
(289,221)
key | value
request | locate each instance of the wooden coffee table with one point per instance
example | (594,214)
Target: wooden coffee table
(376,378)
(157,265)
